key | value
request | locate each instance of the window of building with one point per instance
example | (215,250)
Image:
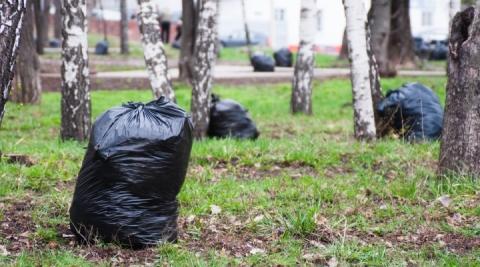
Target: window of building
(319,20)
(427,19)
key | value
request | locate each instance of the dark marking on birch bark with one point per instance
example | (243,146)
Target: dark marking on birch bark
(12,14)
(76,107)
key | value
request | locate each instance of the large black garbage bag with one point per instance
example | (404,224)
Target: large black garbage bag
(229,119)
(133,170)
(415,112)
(101,48)
(262,63)
(283,58)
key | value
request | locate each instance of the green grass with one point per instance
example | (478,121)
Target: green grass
(303,193)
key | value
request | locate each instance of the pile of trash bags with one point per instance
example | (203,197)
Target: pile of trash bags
(262,63)
(414,112)
(229,119)
(134,167)
(283,58)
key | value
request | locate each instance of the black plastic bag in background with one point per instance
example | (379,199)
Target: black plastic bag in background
(415,112)
(283,58)
(229,119)
(135,165)
(262,63)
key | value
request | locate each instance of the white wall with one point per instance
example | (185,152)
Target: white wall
(435,27)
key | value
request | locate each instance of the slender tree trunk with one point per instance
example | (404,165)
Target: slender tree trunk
(247,31)
(45,22)
(189,20)
(57,25)
(154,53)
(39,25)
(301,101)
(401,47)
(379,19)
(203,63)
(76,107)
(27,88)
(12,14)
(460,147)
(124,28)
(364,120)
(344,49)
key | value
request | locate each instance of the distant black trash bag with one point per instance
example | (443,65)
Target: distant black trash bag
(133,170)
(55,43)
(229,119)
(415,112)
(101,48)
(262,63)
(283,58)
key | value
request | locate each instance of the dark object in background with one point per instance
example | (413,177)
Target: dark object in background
(55,43)
(415,112)
(133,170)
(101,48)
(283,58)
(422,49)
(438,50)
(229,119)
(262,63)
(238,39)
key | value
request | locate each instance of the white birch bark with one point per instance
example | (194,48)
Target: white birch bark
(304,68)
(76,108)
(154,53)
(12,14)
(364,121)
(203,63)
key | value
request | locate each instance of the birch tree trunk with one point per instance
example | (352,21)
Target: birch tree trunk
(364,121)
(301,101)
(27,88)
(76,108)
(203,63)
(12,14)
(460,147)
(154,53)
(124,28)
(57,19)
(247,31)
(189,21)
(379,19)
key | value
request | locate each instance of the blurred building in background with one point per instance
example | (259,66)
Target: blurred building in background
(275,23)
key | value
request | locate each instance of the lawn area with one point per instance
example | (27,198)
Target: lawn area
(304,193)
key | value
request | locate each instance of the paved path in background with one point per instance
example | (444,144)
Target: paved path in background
(224,74)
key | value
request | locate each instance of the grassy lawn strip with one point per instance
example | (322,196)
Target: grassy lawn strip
(304,192)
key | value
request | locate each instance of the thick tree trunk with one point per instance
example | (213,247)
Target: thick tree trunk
(76,107)
(401,47)
(124,28)
(364,120)
(154,53)
(57,25)
(247,31)
(41,31)
(379,19)
(27,88)
(203,63)
(12,14)
(344,49)
(189,20)
(460,148)
(301,101)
